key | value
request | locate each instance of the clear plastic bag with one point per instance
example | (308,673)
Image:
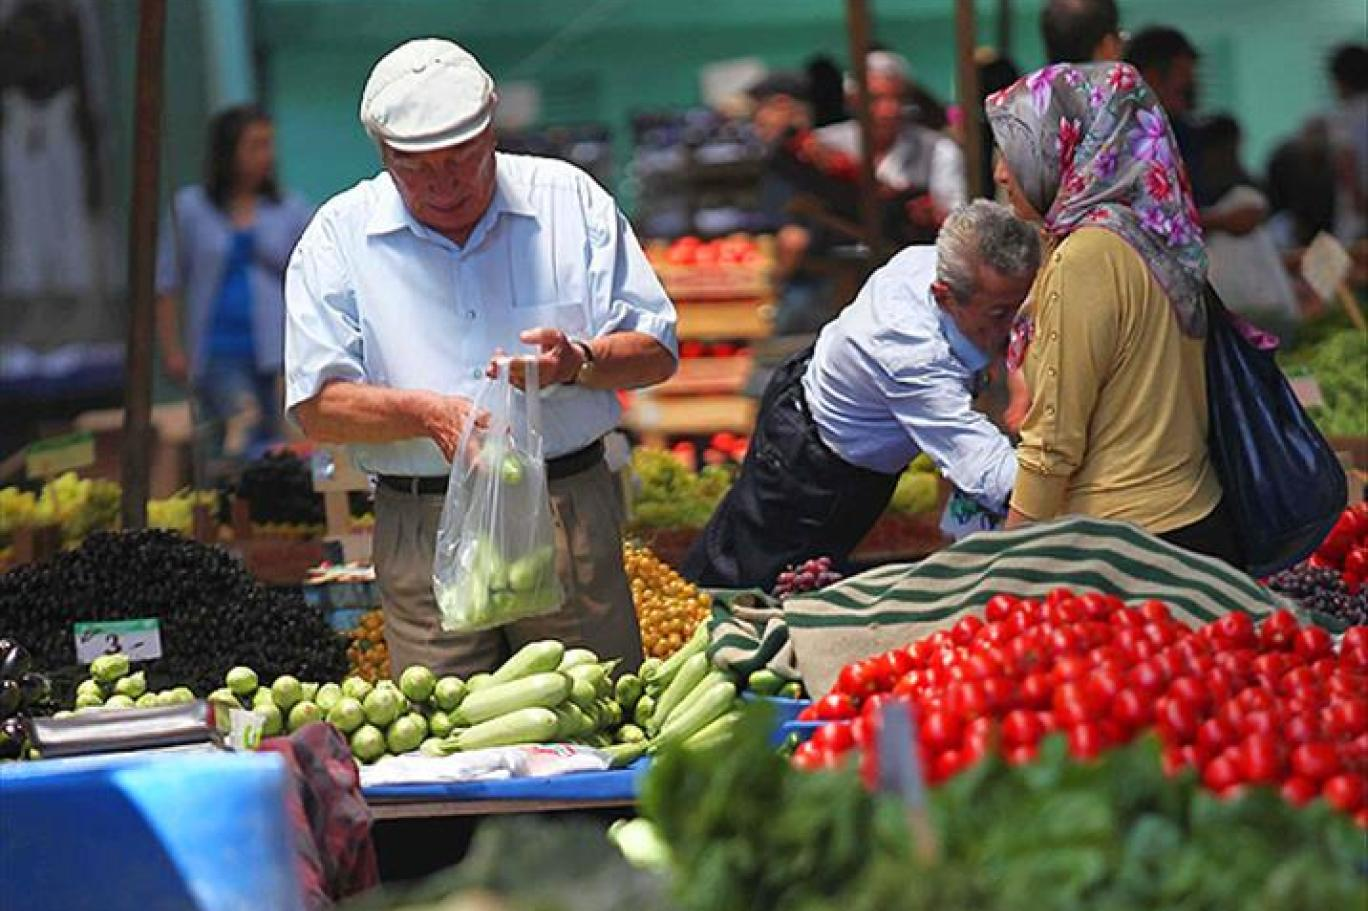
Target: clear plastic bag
(496,558)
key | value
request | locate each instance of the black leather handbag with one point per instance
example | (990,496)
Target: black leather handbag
(1283,483)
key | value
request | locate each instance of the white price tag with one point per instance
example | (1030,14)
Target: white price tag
(246,729)
(1326,265)
(140,640)
(1307,391)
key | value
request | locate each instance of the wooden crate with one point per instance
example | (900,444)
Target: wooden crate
(720,282)
(1355,447)
(898,538)
(707,376)
(657,418)
(724,319)
(279,561)
(670,545)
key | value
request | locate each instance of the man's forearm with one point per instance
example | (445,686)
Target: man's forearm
(168,325)
(628,360)
(346,412)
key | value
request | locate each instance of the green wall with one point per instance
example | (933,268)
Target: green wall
(1263,59)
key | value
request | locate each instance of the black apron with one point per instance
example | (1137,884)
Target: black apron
(794,498)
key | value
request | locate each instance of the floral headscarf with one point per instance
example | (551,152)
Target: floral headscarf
(1091,146)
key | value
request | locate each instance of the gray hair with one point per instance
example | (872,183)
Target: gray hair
(880,63)
(986,233)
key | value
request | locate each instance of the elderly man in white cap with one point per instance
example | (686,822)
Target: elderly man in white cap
(399,295)
(908,157)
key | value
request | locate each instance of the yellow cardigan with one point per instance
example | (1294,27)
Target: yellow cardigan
(1117,427)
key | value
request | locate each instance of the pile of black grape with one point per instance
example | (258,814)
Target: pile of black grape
(279,489)
(214,615)
(808,576)
(1322,589)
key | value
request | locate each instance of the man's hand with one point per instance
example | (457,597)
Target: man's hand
(446,421)
(1015,520)
(558,362)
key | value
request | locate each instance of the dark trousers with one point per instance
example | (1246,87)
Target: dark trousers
(794,498)
(1212,536)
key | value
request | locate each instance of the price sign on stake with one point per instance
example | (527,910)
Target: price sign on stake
(900,774)
(49,458)
(140,640)
(1307,391)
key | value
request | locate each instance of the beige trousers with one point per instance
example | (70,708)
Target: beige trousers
(587,514)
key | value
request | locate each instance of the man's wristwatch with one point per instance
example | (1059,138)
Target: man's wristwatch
(586,362)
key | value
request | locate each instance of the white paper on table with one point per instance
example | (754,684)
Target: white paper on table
(495,764)
(545,760)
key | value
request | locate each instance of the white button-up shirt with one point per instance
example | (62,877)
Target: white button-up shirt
(373,296)
(893,376)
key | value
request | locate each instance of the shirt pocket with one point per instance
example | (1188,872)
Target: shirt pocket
(547,280)
(546,265)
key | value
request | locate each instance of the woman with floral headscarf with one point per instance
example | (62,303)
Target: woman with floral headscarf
(1113,348)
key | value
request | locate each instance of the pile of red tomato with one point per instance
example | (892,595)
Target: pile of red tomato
(1345,549)
(1277,704)
(721,449)
(733,250)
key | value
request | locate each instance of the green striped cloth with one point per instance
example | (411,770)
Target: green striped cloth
(901,603)
(748,632)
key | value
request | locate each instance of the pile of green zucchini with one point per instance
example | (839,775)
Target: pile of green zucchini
(545,693)
(687,702)
(549,694)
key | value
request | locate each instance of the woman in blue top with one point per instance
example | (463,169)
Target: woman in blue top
(220,275)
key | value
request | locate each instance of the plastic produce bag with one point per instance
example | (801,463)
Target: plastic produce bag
(496,559)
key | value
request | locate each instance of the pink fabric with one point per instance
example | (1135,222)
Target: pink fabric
(331,820)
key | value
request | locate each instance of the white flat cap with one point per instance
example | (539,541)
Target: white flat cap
(427,94)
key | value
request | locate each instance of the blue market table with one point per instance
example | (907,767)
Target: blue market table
(148,832)
(615,788)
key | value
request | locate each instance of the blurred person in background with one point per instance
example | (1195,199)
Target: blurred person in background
(52,229)
(1246,270)
(1348,133)
(1167,61)
(781,115)
(220,280)
(1081,31)
(908,157)
(1301,186)
(826,91)
(995,73)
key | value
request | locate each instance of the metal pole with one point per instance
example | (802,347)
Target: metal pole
(1005,28)
(142,246)
(857,24)
(965,41)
